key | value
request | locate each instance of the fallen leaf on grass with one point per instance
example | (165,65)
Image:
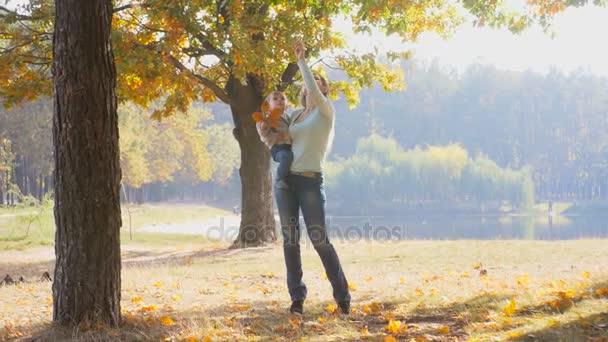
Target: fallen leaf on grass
(148,308)
(167,321)
(443,330)
(510,309)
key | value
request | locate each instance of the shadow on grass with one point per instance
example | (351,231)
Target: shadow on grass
(269,320)
(589,328)
(32,271)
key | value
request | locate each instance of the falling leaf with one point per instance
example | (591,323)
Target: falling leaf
(158,284)
(331,308)
(510,309)
(352,286)
(176,298)
(401,280)
(165,320)
(477,266)
(585,274)
(443,330)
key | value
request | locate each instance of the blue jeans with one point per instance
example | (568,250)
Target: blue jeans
(283,155)
(307,193)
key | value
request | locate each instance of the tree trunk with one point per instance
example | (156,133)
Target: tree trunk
(257,220)
(86,285)
(1,189)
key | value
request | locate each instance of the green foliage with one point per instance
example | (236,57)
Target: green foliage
(381,171)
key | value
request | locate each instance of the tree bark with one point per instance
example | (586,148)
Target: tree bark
(1,189)
(86,286)
(258,225)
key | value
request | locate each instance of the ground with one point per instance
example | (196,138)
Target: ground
(421,290)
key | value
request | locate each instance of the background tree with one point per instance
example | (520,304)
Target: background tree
(86,285)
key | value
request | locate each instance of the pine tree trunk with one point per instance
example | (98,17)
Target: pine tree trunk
(257,220)
(86,284)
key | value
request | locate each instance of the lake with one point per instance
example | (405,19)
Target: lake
(433,227)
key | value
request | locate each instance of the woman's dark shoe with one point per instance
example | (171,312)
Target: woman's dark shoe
(297,306)
(344,307)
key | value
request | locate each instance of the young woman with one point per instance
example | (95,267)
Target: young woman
(312,130)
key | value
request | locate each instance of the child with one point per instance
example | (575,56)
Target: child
(277,138)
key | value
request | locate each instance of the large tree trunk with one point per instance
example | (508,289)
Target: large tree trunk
(86,285)
(257,220)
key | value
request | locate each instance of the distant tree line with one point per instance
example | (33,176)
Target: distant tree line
(383,175)
(552,128)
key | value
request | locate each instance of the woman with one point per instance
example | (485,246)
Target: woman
(312,131)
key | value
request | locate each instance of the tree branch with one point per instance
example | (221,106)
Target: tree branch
(17,15)
(219,92)
(288,76)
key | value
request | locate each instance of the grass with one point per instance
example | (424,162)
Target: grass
(425,290)
(14,234)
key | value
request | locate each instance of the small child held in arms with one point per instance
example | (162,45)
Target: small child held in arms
(273,127)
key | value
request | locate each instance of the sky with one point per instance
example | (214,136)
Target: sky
(580,42)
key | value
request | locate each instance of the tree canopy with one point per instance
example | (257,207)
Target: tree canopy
(188,51)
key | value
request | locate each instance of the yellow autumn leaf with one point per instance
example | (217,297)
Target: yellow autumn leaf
(321,320)
(136,300)
(158,284)
(176,297)
(477,266)
(443,330)
(165,320)
(585,274)
(148,308)
(523,280)
(368,278)
(601,292)
(331,308)
(419,292)
(510,309)
(390,339)
(514,334)
(191,339)
(393,326)
(352,286)
(207,339)
(401,280)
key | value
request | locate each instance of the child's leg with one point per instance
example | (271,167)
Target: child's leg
(284,157)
